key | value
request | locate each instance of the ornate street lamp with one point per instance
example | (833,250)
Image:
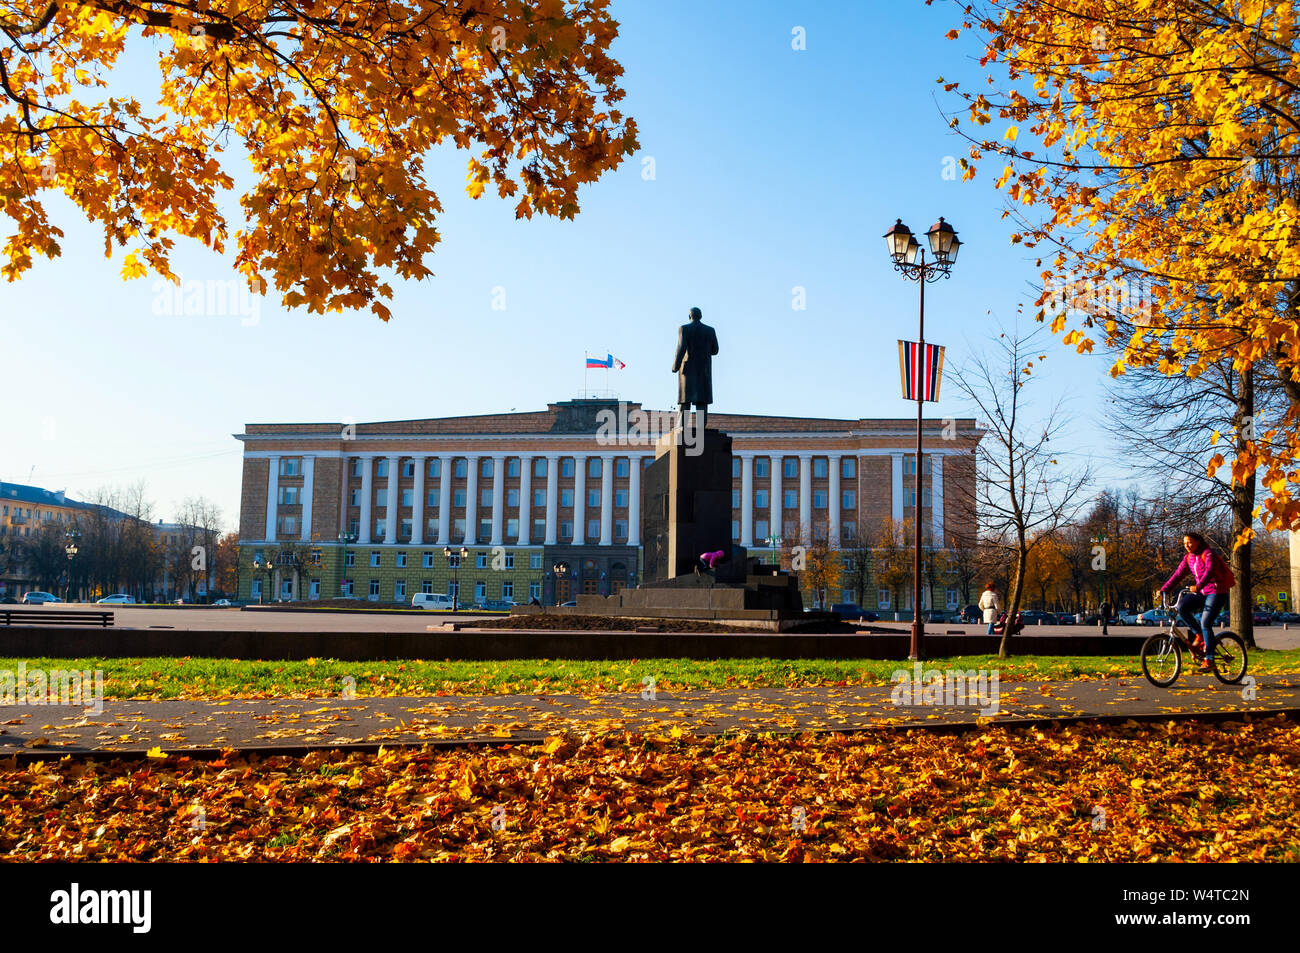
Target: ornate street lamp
(268,567)
(773,541)
(459,554)
(909,259)
(346,538)
(71,549)
(561,571)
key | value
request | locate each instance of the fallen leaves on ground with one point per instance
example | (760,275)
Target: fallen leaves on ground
(1207,792)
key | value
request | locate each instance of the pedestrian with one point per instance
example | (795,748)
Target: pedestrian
(991,604)
(1105,617)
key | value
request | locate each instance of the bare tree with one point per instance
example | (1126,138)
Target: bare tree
(1022,492)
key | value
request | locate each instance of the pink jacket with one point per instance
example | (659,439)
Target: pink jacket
(1201,566)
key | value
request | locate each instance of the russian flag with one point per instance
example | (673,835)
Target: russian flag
(607,363)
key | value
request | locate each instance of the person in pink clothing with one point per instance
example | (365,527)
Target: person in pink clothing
(1211,580)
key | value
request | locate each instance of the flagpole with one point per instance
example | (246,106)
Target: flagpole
(584,375)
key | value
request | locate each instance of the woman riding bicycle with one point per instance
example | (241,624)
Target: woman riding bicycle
(1211,580)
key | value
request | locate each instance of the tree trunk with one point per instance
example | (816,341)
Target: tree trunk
(1013,601)
(1243,510)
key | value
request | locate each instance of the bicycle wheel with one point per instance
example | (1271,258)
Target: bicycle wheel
(1162,659)
(1229,661)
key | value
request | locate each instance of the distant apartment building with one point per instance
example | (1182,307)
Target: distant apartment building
(24,511)
(547,503)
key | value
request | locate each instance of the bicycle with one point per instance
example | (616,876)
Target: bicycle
(1162,653)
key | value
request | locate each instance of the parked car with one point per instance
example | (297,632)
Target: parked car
(1033,616)
(495,605)
(39,598)
(1065,618)
(1130,618)
(851,611)
(222,604)
(1155,617)
(1287,617)
(970,614)
(116,599)
(431,600)
(1262,617)
(571,604)
(8,600)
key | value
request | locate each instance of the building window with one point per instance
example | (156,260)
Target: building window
(848,467)
(534,591)
(356,466)
(951,598)
(480,561)
(286,526)
(404,530)
(485,496)
(534,560)
(735,499)
(909,464)
(435,467)
(849,531)
(426,585)
(593,466)
(255,591)
(566,497)
(485,529)
(486,467)
(512,467)
(820,532)
(458,497)
(480,591)
(620,498)
(399,590)
(790,467)
(539,498)
(512,497)
(374,590)
(453,561)
(408,468)
(735,468)
(290,466)
(566,529)
(354,527)
(566,467)
(458,530)
(381,497)
(350,560)
(620,529)
(428,560)
(314,557)
(289,495)
(431,530)
(313,589)
(819,499)
(539,467)
(381,528)
(882,599)
(508,590)
(510,560)
(621,467)
(401,560)
(539,530)
(381,470)
(431,499)
(819,466)
(346,587)
(760,530)
(735,530)
(761,499)
(909,497)
(760,466)
(512,528)
(593,498)
(374,559)
(791,499)
(850,500)
(354,498)
(461,467)
(408,497)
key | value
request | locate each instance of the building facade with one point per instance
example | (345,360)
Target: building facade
(547,503)
(24,512)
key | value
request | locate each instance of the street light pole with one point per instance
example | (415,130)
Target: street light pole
(71,549)
(909,259)
(455,574)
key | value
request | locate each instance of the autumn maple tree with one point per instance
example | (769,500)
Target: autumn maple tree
(334,105)
(1152,145)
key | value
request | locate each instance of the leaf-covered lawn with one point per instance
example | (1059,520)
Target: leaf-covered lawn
(1175,791)
(159,678)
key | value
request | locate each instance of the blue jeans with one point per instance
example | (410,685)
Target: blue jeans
(1207,607)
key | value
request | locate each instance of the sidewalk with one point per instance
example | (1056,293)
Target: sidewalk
(292,725)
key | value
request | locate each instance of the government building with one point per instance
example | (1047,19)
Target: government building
(547,503)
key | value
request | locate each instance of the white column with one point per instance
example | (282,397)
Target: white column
(525,499)
(552,498)
(444,499)
(471,500)
(394,498)
(272,493)
(498,499)
(805,498)
(308,485)
(747,499)
(833,504)
(579,499)
(367,467)
(417,501)
(896,487)
(606,499)
(634,466)
(936,499)
(778,502)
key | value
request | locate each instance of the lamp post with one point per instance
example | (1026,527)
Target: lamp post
(345,538)
(909,260)
(454,556)
(773,541)
(561,571)
(266,566)
(71,549)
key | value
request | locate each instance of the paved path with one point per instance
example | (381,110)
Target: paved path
(291,724)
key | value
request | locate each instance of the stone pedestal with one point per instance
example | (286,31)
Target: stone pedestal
(686,508)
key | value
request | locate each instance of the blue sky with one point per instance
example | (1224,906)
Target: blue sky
(775,168)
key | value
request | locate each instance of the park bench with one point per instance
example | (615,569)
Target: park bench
(98,617)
